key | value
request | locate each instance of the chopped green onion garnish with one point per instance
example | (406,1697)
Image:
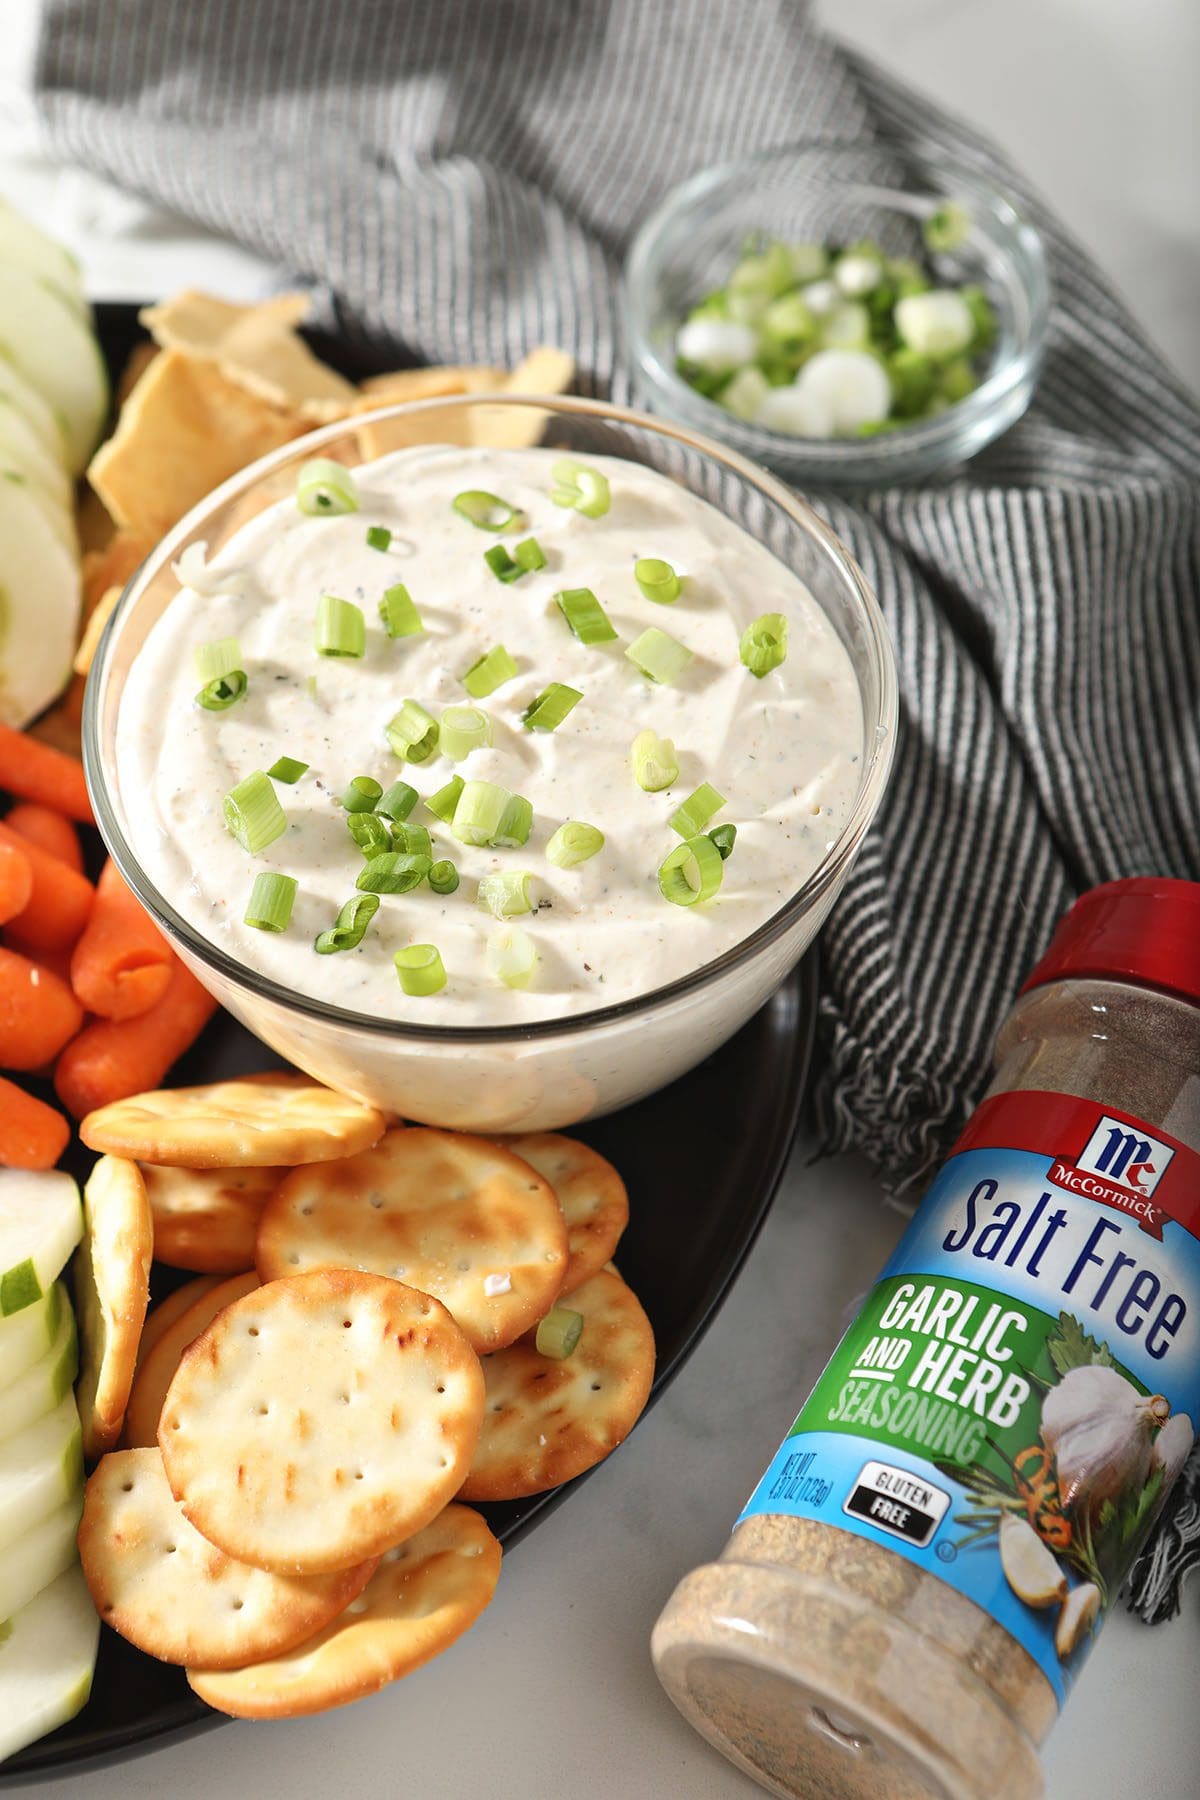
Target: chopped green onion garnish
(341,628)
(443,803)
(253,814)
(585,615)
(219,658)
(398,801)
(400,617)
(691,872)
(501,564)
(573,843)
(724,837)
(413,733)
(559,1332)
(657,579)
(529,556)
(369,833)
(362,794)
(658,655)
(579,486)
(764,644)
(420,969)
(463,729)
(216,695)
(695,812)
(379,537)
(655,764)
(485,510)
(516,823)
(351,926)
(395,873)
(507,894)
(412,839)
(443,877)
(488,672)
(286,768)
(324,486)
(511,956)
(478,812)
(948,228)
(269,907)
(551,707)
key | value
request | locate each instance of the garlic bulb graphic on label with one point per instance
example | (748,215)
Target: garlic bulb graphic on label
(1080,1610)
(1172,1447)
(1032,1573)
(1100,1431)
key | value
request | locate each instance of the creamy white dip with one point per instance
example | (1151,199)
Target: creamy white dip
(783,750)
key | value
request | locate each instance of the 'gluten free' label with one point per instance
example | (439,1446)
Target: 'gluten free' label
(897,1502)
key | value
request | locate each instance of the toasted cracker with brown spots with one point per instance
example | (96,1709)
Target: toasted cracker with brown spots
(156,1370)
(171,1307)
(251,1122)
(456,1216)
(548,1419)
(207,1219)
(423,1596)
(320,1420)
(112,1290)
(155,1580)
(589,1191)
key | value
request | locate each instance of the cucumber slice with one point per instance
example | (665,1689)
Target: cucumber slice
(24,246)
(22,448)
(40,1469)
(16,474)
(39,617)
(50,345)
(41,1221)
(29,1335)
(41,1388)
(20,393)
(32,1561)
(46,1661)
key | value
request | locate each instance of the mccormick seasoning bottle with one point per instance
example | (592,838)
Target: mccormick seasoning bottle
(910,1593)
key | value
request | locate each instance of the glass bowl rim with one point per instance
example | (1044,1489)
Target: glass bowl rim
(915,438)
(877,755)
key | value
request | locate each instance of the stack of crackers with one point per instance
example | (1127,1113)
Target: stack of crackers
(355,1355)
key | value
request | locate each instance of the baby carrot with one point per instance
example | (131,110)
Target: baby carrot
(57,909)
(113,1058)
(122,963)
(38,1013)
(35,771)
(16,881)
(32,1134)
(48,829)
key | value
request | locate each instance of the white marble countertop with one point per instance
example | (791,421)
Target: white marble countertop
(553,1693)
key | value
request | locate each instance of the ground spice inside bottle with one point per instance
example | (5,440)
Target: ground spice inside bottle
(914,1585)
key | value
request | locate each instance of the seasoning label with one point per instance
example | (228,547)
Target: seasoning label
(1021,1387)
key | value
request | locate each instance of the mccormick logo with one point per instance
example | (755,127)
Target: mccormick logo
(1120,1166)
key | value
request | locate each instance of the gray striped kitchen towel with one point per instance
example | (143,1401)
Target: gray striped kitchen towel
(463,178)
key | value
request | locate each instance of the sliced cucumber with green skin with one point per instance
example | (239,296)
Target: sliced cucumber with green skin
(41,1221)
(52,347)
(56,515)
(32,1561)
(29,1335)
(46,1661)
(24,246)
(39,619)
(41,1468)
(19,393)
(41,1388)
(22,448)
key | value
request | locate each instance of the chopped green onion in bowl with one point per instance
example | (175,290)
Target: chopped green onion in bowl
(463,729)
(269,907)
(655,764)
(350,927)
(506,893)
(325,487)
(659,656)
(222,691)
(253,814)
(573,843)
(420,969)
(341,629)
(511,956)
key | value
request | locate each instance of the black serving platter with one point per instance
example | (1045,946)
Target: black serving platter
(702,1160)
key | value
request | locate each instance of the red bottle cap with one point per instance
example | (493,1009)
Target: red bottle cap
(1146,929)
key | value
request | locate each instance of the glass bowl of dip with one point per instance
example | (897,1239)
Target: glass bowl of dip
(510,1061)
(841,194)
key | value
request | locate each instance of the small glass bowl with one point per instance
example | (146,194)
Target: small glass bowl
(531,1076)
(828,194)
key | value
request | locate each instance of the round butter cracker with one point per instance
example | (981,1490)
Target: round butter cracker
(172,1306)
(547,1419)
(207,1219)
(157,1368)
(589,1191)
(112,1291)
(457,1216)
(157,1582)
(422,1597)
(321,1420)
(253,1121)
